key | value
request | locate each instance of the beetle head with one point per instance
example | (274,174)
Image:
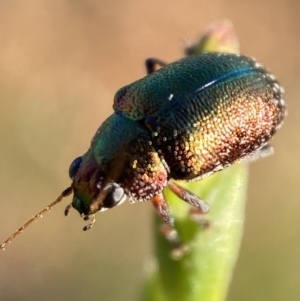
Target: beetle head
(102,177)
(92,191)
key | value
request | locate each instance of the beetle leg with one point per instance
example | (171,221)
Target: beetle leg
(189,197)
(163,209)
(68,209)
(197,216)
(199,206)
(262,152)
(90,225)
(151,64)
(165,213)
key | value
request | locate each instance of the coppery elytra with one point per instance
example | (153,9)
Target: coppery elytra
(185,121)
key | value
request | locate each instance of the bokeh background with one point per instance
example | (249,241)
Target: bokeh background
(61,62)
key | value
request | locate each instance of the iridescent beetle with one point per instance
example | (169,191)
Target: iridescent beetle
(185,121)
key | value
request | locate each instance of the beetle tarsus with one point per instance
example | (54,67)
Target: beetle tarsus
(68,209)
(86,217)
(90,225)
(178,248)
(151,64)
(197,216)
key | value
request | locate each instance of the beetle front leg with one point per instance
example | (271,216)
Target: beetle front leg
(160,204)
(151,64)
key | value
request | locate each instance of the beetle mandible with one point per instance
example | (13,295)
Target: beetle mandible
(185,121)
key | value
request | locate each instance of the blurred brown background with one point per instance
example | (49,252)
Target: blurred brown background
(60,64)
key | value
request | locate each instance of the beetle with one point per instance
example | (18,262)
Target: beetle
(183,122)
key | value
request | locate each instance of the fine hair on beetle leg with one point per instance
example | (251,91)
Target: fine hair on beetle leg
(199,206)
(167,228)
(189,197)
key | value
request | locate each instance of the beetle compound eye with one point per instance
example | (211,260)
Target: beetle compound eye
(115,196)
(74,167)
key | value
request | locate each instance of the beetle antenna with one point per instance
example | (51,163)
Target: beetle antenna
(65,193)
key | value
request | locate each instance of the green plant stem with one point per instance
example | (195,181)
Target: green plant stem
(205,271)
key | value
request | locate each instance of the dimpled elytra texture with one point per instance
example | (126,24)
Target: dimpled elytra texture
(219,123)
(144,97)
